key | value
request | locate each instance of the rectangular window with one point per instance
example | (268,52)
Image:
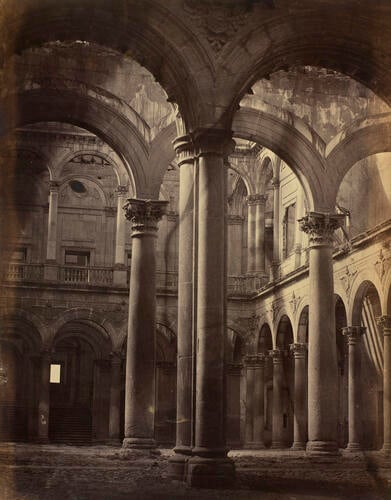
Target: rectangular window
(55,374)
(77,258)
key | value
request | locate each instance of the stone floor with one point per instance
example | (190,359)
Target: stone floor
(101,472)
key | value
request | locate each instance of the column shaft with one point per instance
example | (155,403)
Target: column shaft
(300,397)
(251,229)
(210,464)
(185,309)
(353,334)
(260,235)
(140,360)
(119,258)
(278,379)
(276,228)
(249,428)
(259,408)
(322,355)
(51,248)
(384,323)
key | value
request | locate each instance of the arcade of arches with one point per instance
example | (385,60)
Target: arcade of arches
(196,221)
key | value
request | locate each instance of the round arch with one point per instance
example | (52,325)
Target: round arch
(45,105)
(120,172)
(292,147)
(316,37)
(150,33)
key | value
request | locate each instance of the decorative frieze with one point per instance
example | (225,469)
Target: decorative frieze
(256,199)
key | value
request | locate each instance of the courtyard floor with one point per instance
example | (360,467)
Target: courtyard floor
(102,472)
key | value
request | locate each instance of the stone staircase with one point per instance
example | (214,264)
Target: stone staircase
(70,426)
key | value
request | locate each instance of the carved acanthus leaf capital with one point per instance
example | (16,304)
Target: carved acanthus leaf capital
(144,215)
(384,322)
(256,199)
(121,190)
(353,333)
(299,349)
(321,226)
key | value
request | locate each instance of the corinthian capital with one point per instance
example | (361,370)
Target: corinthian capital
(144,215)
(321,226)
(384,322)
(256,199)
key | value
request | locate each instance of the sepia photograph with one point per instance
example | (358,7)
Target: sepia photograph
(195,249)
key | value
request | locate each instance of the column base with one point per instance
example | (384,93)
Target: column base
(322,448)
(353,448)
(386,450)
(298,446)
(213,472)
(277,445)
(139,443)
(177,464)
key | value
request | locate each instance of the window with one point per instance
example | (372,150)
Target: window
(77,258)
(289,229)
(55,373)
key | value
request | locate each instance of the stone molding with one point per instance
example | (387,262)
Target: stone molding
(233,219)
(277,355)
(299,349)
(121,190)
(256,199)
(353,333)
(184,149)
(54,186)
(254,360)
(320,227)
(384,322)
(144,215)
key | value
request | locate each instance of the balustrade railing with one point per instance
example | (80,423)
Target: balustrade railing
(86,275)
(243,285)
(103,276)
(20,271)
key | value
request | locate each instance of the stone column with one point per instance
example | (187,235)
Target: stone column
(44,398)
(259,402)
(276,228)
(51,248)
(278,380)
(353,334)
(209,465)
(384,323)
(115,398)
(300,397)
(140,360)
(249,427)
(50,269)
(184,415)
(234,247)
(120,271)
(322,351)
(260,234)
(251,228)
(298,233)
